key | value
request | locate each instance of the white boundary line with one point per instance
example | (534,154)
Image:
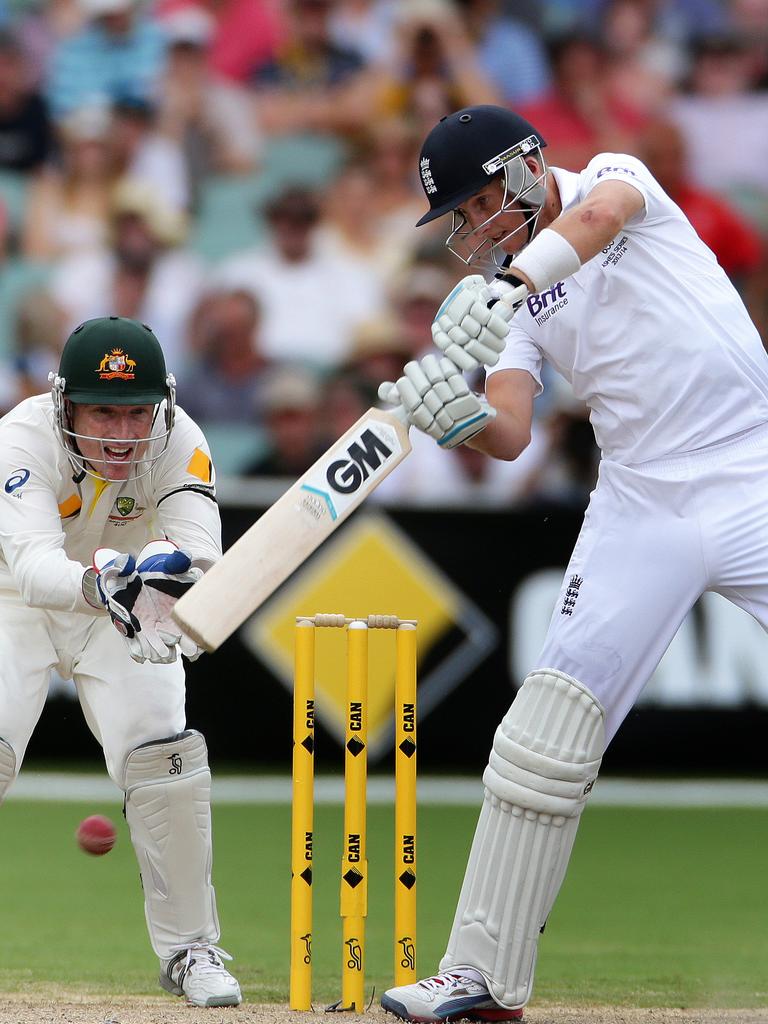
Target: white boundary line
(442,790)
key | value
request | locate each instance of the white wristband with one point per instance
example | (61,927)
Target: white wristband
(546,260)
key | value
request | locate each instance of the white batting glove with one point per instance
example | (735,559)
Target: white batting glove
(472,324)
(166,574)
(438,401)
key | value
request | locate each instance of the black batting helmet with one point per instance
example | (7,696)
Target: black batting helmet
(467,148)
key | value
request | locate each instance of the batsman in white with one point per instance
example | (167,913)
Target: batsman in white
(90,475)
(601,275)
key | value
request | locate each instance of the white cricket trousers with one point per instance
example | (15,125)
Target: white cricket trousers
(125,704)
(655,537)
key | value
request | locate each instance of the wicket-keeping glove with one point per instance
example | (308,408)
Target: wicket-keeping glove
(166,574)
(118,588)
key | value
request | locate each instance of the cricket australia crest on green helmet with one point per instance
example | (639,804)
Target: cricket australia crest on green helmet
(113,361)
(106,361)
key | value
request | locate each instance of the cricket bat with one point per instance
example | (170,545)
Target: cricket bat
(291,529)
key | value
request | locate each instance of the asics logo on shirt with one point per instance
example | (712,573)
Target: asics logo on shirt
(16,480)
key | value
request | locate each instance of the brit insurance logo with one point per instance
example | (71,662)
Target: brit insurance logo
(545,304)
(616,170)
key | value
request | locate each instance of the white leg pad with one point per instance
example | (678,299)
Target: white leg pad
(545,758)
(168,810)
(7,768)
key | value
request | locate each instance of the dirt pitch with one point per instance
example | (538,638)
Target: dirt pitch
(69,1008)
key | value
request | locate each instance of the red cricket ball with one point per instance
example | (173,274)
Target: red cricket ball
(96,834)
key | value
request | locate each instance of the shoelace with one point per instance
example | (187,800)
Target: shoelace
(210,963)
(440,982)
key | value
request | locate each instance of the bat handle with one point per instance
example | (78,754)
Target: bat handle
(508,296)
(402,415)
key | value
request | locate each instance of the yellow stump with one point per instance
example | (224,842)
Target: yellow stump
(405,806)
(354,865)
(302,817)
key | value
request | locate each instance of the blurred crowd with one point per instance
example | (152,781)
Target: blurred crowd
(242,176)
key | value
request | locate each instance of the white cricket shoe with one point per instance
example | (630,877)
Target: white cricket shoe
(460,994)
(197,972)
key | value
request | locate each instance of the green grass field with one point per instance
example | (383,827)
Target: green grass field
(660,907)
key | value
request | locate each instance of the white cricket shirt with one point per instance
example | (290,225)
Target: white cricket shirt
(650,333)
(52,519)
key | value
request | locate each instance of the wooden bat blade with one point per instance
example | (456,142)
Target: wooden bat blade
(291,529)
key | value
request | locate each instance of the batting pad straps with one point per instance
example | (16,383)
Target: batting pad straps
(545,758)
(7,768)
(168,810)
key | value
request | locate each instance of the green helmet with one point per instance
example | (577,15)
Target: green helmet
(113,361)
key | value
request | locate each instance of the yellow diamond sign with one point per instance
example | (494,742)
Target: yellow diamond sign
(369,568)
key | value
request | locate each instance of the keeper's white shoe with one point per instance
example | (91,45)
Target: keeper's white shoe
(451,995)
(197,972)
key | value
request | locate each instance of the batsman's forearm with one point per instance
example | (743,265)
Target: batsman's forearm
(506,437)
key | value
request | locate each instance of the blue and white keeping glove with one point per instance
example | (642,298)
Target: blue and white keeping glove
(114,583)
(472,324)
(166,573)
(437,400)
(139,593)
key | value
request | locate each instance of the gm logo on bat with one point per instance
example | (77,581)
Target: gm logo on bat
(333,486)
(346,476)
